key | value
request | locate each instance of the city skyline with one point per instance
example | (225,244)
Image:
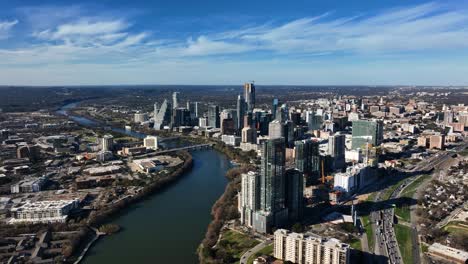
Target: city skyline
(335,43)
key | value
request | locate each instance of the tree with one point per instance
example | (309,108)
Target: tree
(298,228)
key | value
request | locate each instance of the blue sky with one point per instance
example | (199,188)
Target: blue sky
(300,42)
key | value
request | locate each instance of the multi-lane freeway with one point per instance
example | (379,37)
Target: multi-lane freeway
(382,220)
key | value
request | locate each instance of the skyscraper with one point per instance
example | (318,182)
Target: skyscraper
(240,112)
(294,182)
(213,116)
(336,149)
(367,131)
(107,143)
(272,210)
(249,96)
(248,197)
(249,135)
(274,108)
(164,116)
(175,99)
(193,108)
(307,159)
(275,129)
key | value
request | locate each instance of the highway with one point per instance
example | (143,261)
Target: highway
(382,221)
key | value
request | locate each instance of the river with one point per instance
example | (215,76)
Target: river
(168,226)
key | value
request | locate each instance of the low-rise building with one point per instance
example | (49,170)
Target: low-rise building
(42,211)
(29,185)
(449,254)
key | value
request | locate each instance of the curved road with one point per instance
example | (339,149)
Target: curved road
(250,252)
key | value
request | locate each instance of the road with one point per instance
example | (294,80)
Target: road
(245,257)
(382,221)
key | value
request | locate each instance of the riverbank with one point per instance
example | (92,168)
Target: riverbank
(225,208)
(108,213)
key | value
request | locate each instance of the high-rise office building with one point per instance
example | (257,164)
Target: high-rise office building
(181,117)
(307,159)
(367,131)
(164,116)
(289,133)
(249,135)
(155,110)
(193,108)
(213,116)
(175,99)
(336,149)
(272,211)
(294,184)
(274,108)
(248,197)
(240,112)
(228,126)
(309,248)
(249,96)
(314,121)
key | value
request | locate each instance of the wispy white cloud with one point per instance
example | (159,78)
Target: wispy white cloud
(95,40)
(5,28)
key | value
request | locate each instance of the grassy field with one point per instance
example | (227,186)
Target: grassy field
(369,232)
(235,244)
(404,211)
(356,243)
(403,235)
(268,250)
(457,227)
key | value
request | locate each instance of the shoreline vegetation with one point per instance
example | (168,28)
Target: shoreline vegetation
(105,215)
(225,208)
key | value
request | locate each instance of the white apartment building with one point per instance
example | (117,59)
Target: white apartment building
(248,200)
(42,211)
(309,248)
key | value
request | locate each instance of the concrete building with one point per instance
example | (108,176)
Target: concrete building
(231,140)
(249,135)
(276,129)
(355,177)
(150,142)
(448,254)
(437,142)
(248,197)
(203,122)
(140,117)
(107,143)
(29,185)
(42,211)
(309,248)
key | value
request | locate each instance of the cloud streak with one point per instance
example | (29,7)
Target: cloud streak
(5,28)
(84,39)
